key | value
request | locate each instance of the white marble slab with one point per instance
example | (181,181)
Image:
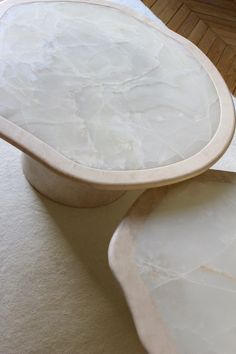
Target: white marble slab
(228,161)
(103,88)
(175,251)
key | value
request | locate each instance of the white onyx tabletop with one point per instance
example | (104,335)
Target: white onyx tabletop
(228,160)
(102,88)
(175,258)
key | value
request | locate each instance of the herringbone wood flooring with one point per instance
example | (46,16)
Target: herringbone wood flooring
(210,24)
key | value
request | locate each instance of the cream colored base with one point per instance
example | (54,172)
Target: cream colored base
(64,190)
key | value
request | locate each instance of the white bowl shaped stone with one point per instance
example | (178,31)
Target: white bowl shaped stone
(105,101)
(174,255)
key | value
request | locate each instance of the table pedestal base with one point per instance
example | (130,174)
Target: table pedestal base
(64,190)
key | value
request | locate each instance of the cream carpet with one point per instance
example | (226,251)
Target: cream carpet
(57,294)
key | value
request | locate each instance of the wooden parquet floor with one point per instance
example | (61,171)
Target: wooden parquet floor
(210,24)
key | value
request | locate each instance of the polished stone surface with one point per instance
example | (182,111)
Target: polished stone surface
(228,161)
(103,88)
(183,247)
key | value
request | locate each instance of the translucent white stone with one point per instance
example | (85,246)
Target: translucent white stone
(174,255)
(228,161)
(103,88)
(186,254)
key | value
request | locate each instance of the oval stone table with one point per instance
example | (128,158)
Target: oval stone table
(174,257)
(101,100)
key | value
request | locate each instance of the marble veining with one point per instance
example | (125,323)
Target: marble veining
(102,88)
(185,253)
